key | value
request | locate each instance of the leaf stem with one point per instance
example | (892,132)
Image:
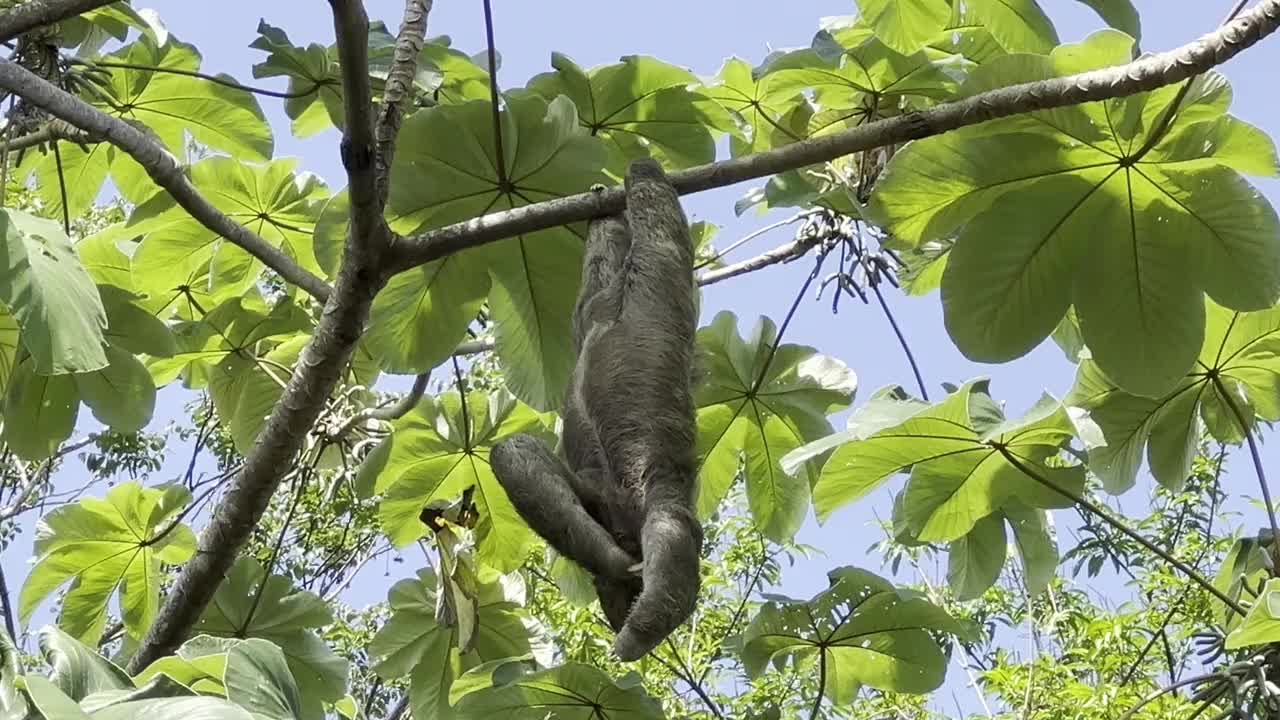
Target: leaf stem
(1258,469)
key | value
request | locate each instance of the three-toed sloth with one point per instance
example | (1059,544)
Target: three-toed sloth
(622,508)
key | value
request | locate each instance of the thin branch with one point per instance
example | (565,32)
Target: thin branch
(53,130)
(782,254)
(1147,73)
(38,13)
(474,347)
(351,25)
(160,166)
(1190,572)
(755,234)
(394,411)
(398,86)
(6,604)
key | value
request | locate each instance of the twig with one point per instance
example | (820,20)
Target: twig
(396,89)
(781,254)
(755,234)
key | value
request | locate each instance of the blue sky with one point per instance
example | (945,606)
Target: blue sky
(701,35)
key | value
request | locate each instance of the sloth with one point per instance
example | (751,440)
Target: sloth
(620,501)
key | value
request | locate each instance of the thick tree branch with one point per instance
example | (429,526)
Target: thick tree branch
(319,368)
(1144,74)
(160,166)
(37,13)
(399,86)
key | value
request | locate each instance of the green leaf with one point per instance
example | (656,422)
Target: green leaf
(977,558)
(121,395)
(270,199)
(1234,380)
(173,105)
(766,118)
(12,703)
(247,606)
(1018,25)
(1133,239)
(130,327)
(962,463)
(102,544)
(51,702)
(1119,14)
(415,642)
(446,171)
(1037,548)
(439,450)
(755,406)
(257,679)
(572,690)
(867,632)
(422,314)
(55,301)
(39,410)
(905,25)
(1262,624)
(189,708)
(315,80)
(78,670)
(641,105)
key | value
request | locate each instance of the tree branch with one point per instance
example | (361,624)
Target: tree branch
(783,253)
(351,25)
(362,274)
(37,13)
(399,85)
(161,166)
(1144,74)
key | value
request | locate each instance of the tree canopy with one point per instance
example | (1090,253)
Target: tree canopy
(1095,195)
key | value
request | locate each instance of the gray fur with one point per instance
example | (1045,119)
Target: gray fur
(627,491)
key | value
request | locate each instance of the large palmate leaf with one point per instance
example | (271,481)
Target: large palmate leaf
(966,461)
(247,605)
(315,81)
(905,25)
(47,290)
(769,113)
(438,451)
(445,171)
(642,105)
(572,691)
(1236,379)
(756,404)
(104,544)
(1094,210)
(1018,25)
(270,199)
(859,631)
(150,83)
(415,642)
(869,79)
